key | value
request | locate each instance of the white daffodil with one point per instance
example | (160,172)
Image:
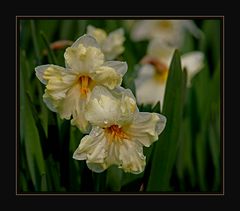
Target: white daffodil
(119,131)
(152,76)
(112,44)
(68,89)
(169,31)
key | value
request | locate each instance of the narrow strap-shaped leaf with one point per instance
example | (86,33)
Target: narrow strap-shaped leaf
(166,147)
(51,55)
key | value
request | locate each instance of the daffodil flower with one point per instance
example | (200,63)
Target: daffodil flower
(119,131)
(171,32)
(112,44)
(152,76)
(68,89)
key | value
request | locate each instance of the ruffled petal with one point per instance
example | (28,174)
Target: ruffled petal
(131,157)
(78,116)
(106,108)
(51,68)
(102,108)
(93,148)
(58,82)
(146,127)
(83,59)
(106,76)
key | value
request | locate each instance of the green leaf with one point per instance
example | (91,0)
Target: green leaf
(35,43)
(166,147)
(33,147)
(211,43)
(51,56)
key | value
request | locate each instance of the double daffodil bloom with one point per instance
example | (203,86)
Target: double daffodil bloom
(68,89)
(119,131)
(112,44)
(152,76)
(171,32)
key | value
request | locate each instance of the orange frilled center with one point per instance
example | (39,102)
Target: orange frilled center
(86,85)
(161,69)
(115,133)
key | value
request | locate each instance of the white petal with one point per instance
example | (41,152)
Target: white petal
(146,127)
(113,44)
(146,71)
(78,115)
(158,49)
(131,157)
(102,108)
(51,104)
(86,40)
(142,30)
(106,76)
(111,154)
(92,148)
(42,68)
(106,108)
(59,81)
(193,62)
(149,91)
(119,67)
(99,34)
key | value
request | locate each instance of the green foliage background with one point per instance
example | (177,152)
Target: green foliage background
(187,158)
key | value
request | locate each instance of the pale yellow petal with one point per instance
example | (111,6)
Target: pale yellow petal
(78,115)
(83,59)
(106,76)
(112,46)
(106,108)
(52,69)
(99,34)
(102,108)
(119,67)
(146,127)
(93,148)
(85,40)
(131,157)
(58,82)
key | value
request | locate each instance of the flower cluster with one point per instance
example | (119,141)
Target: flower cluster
(164,37)
(88,91)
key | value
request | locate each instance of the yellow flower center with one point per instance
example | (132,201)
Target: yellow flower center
(167,25)
(115,133)
(161,69)
(86,85)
